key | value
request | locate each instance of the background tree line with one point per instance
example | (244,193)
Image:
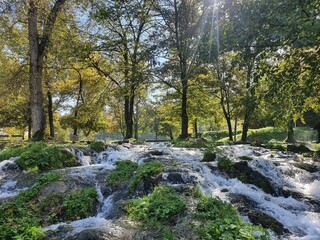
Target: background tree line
(163,66)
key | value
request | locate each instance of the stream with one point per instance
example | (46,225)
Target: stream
(295,179)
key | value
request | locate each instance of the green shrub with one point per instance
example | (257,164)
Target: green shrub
(45,158)
(246,158)
(97,146)
(209,156)
(123,172)
(144,172)
(79,204)
(160,206)
(19,218)
(17,151)
(225,163)
(221,221)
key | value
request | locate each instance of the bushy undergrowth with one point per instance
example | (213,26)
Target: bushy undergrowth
(40,157)
(225,163)
(97,146)
(144,172)
(18,218)
(161,206)
(209,155)
(17,151)
(219,220)
(24,216)
(123,172)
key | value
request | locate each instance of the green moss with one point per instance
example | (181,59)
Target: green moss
(209,156)
(79,204)
(160,206)
(246,158)
(19,218)
(97,146)
(123,172)
(45,158)
(144,172)
(225,164)
(16,151)
(219,220)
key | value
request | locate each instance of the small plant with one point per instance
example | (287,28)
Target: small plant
(209,156)
(246,158)
(97,146)
(79,204)
(123,172)
(144,172)
(162,205)
(225,163)
(40,157)
(221,221)
(19,218)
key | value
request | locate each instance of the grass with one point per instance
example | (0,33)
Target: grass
(144,172)
(220,220)
(19,218)
(24,216)
(123,172)
(161,206)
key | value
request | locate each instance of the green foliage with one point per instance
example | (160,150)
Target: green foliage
(246,158)
(97,146)
(40,157)
(123,172)
(217,135)
(17,151)
(144,172)
(18,218)
(221,221)
(79,204)
(225,163)
(189,143)
(209,156)
(160,206)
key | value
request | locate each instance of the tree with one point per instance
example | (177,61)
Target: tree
(126,27)
(181,33)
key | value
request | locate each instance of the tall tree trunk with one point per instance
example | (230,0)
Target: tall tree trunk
(37,47)
(290,136)
(35,77)
(195,127)
(29,130)
(50,114)
(171,134)
(235,129)
(184,114)
(245,128)
(226,114)
(129,104)
(136,122)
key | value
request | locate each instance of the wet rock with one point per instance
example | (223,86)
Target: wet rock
(176,178)
(93,234)
(156,153)
(308,167)
(298,148)
(245,174)
(247,207)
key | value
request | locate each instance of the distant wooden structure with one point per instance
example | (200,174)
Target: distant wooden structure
(317,127)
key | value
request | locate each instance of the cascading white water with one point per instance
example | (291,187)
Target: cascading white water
(295,214)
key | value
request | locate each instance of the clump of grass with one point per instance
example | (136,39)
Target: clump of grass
(17,151)
(219,220)
(209,156)
(123,172)
(161,206)
(97,146)
(246,158)
(225,163)
(79,204)
(43,158)
(19,218)
(144,172)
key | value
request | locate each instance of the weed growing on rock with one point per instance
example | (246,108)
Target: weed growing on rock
(97,146)
(40,157)
(219,220)
(144,172)
(161,206)
(123,172)
(209,155)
